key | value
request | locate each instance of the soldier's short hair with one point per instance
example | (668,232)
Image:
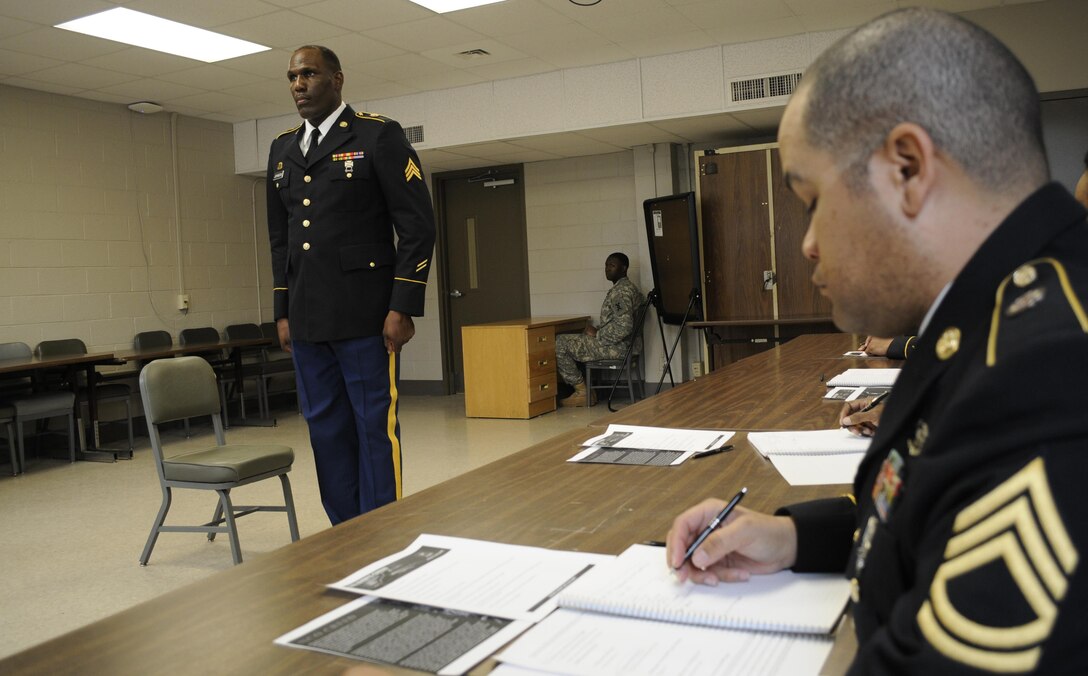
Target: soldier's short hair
(330,57)
(622,258)
(957,81)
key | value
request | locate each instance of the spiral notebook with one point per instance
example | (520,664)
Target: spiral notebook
(810,442)
(639,584)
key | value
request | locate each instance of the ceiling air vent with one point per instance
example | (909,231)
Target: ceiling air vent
(765,87)
(473,53)
(414,134)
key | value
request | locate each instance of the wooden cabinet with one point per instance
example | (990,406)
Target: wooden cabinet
(751,232)
(510,366)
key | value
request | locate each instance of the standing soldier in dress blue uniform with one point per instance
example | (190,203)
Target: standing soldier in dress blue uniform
(339,185)
(916,145)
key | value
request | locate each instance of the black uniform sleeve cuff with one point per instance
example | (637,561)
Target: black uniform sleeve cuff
(824,534)
(901,347)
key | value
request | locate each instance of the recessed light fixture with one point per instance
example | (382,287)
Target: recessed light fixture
(145,107)
(162,35)
(443,6)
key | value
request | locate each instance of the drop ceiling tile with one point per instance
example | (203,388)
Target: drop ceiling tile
(96,95)
(211,77)
(574,57)
(82,77)
(761,119)
(567,145)
(631,135)
(497,52)
(723,13)
(362,16)
(19,63)
(509,17)
(60,44)
(604,10)
(205,14)
(272,64)
(257,111)
(12,26)
(375,94)
(284,29)
(524,155)
(760,30)
(847,17)
(424,34)
(149,89)
(52,12)
(142,62)
(704,127)
(399,68)
(641,25)
(487,151)
(209,101)
(354,48)
(42,86)
(668,43)
(508,69)
(268,91)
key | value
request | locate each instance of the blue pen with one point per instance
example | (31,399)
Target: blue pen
(713,525)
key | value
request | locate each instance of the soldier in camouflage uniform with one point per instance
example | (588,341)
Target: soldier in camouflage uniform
(607,341)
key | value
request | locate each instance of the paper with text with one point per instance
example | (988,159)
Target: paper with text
(865,377)
(476,576)
(835,441)
(816,470)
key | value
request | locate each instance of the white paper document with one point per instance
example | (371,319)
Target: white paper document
(835,441)
(814,470)
(589,644)
(475,576)
(655,439)
(865,377)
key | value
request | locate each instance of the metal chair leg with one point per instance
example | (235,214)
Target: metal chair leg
(289,503)
(217,518)
(163,509)
(232,528)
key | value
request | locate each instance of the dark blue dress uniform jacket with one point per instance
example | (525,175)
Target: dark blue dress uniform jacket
(331,221)
(972,503)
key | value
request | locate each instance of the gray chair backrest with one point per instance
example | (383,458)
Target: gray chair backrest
(183,387)
(15,351)
(243,332)
(205,335)
(146,340)
(269,330)
(60,348)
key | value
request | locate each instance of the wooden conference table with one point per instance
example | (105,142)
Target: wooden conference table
(226,623)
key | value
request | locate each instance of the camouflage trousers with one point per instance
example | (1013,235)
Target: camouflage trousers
(571,348)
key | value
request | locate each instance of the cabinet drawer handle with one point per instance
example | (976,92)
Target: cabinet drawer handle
(544,386)
(542,339)
(542,362)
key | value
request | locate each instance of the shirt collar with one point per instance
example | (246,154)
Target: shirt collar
(933,308)
(328,122)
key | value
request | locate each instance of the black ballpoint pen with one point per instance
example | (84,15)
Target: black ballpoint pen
(873,404)
(713,525)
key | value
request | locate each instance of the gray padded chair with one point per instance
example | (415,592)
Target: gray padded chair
(30,406)
(277,363)
(103,392)
(206,335)
(184,387)
(252,365)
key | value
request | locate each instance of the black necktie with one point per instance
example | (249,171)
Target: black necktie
(315,138)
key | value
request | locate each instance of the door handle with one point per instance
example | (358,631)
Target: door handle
(456,294)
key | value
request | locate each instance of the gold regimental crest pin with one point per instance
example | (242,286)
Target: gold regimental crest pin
(1024,275)
(948,344)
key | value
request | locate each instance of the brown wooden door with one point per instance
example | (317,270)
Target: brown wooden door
(797,295)
(486,255)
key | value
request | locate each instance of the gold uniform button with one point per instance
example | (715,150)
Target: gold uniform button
(349,174)
(307,179)
(1024,275)
(306,202)
(857,534)
(371,263)
(855,590)
(343,124)
(306,246)
(306,223)
(948,344)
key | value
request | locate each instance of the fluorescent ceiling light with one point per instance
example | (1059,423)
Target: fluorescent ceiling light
(443,6)
(162,35)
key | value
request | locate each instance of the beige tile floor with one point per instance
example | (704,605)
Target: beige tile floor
(71,534)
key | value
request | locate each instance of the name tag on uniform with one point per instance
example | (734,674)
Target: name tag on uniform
(341,157)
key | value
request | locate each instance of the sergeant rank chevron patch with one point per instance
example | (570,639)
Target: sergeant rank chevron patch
(412,171)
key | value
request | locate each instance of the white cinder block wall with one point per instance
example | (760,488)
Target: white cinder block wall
(88,244)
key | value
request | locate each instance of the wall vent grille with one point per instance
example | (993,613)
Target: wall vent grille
(414,134)
(765,87)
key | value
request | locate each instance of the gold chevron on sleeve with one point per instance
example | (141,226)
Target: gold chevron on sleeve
(1017,524)
(412,171)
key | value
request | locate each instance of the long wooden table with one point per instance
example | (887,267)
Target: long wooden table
(226,623)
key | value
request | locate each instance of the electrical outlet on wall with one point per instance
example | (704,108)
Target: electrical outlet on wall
(696,369)
(183,302)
